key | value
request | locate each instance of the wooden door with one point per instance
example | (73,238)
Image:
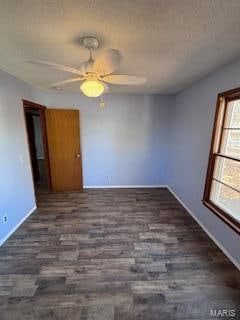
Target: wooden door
(64,149)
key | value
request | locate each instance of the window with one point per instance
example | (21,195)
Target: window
(222,189)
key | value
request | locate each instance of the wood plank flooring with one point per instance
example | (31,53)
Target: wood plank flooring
(114,254)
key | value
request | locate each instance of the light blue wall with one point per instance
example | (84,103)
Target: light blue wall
(190,136)
(126,140)
(16,189)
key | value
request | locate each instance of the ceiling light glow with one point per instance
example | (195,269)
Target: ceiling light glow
(92,88)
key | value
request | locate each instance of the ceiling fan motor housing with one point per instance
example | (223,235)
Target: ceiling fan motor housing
(90,42)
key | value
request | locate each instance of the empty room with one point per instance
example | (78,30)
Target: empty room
(120,159)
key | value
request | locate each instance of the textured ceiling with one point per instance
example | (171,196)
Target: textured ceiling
(171,42)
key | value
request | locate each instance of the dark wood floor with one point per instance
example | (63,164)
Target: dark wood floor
(114,254)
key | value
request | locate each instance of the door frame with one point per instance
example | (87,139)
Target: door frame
(41,109)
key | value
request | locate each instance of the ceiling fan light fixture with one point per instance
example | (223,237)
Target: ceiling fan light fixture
(92,88)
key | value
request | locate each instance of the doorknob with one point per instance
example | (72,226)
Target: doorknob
(77,155)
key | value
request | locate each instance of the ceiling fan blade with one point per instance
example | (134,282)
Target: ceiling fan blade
(123,79)
(60,83)
(56,66)
(107,62)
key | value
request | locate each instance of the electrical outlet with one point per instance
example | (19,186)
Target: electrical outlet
(5,219)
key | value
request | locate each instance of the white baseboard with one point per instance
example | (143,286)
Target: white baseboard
(206,231)
(17,226)
(109,186)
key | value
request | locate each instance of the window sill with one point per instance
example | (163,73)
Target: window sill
(231,222)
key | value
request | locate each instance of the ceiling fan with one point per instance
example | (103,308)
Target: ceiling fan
(94,74)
